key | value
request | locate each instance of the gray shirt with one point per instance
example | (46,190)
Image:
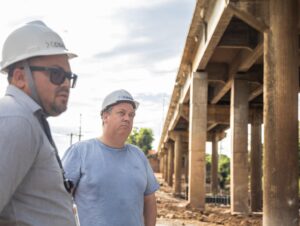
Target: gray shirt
(31,183)
(111,183)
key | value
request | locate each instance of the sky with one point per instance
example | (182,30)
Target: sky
(135,45)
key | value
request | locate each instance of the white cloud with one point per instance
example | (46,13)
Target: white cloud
(138,42)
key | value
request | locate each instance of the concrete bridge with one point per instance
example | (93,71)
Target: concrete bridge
(240,66)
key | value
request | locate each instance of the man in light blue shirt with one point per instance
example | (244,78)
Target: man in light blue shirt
(115,185)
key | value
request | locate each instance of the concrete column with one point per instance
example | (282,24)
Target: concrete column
(256,163)
(170,163)
(161,164)
(197,139)
(178,164)
(166,166)
(239,153)
(186,169)
(281,84)
(214,166)
(186,175)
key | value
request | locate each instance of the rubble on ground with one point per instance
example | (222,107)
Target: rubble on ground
(170,207)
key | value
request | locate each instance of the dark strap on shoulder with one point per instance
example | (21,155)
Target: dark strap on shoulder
(45,125)
(47,131)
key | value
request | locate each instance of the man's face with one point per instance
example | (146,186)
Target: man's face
(119,120)
(54,98)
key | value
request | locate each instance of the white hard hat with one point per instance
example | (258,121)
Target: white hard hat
(116,97)
(30,40)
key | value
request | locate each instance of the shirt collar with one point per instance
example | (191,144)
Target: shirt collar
(22,98)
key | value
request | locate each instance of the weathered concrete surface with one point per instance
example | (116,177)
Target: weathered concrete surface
(239,153)
(197,139)
(281,85)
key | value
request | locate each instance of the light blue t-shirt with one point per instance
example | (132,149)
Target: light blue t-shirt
(110,183)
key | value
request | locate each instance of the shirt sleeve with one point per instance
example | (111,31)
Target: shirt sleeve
(152,184)
(72,164)
(18,148)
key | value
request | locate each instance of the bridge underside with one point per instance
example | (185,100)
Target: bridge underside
(240,67)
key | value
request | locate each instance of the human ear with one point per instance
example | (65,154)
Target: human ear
(104,116)
(18,78)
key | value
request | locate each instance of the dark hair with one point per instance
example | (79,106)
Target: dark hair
(10,73)
(107,109)
(15,65)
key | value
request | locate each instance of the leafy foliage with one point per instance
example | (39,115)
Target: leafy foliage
(142,138)
(223,169)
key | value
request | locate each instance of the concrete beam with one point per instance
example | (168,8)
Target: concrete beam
(185,112)
(219,136)
(183,134)
(247,17)
(211,126)
(163,150)
(175,118)
(248,59)
(256,93)
(214,26)
(172,106)
(185,91)
(233,68)
(251,77)
(218,114)
(243,62)
(239,35)
(217,72)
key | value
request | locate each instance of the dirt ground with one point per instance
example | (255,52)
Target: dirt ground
(175,211)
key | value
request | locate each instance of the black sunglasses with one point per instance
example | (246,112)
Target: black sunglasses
(57,75)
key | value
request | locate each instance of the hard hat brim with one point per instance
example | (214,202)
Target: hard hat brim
(134,103)
(70,55)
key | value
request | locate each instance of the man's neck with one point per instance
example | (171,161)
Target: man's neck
(112,142)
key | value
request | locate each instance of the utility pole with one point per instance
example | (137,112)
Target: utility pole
(71,139)
(79,134)
(74,134)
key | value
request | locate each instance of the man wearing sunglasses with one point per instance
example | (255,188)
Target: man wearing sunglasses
(33,188)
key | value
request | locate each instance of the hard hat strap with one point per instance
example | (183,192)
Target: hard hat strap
(31,83)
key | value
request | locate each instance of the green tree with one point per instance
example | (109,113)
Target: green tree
(223,169)
(208,167)
(142,138)
(132,137)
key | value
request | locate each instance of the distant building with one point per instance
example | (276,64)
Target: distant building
(153,159)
